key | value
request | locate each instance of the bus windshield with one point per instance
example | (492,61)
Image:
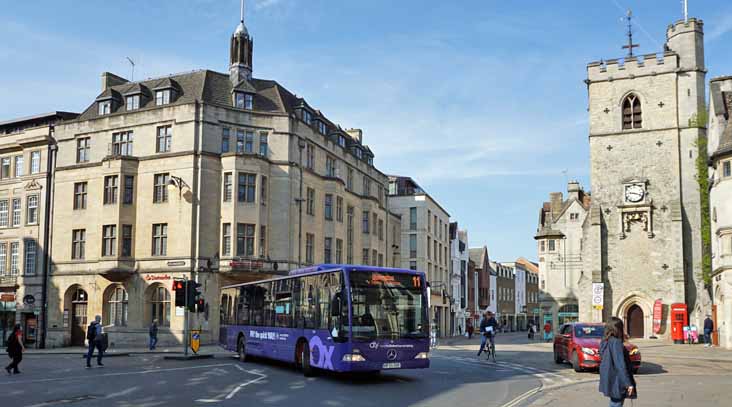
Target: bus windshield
(387,306)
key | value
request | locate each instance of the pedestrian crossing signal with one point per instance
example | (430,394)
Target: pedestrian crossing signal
(179,288)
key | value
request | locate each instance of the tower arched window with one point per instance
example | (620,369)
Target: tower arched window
(632,117)
(116,306)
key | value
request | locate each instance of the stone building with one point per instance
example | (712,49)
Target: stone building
(506,296)
(218,177)
(459,258)
(27,153)
(642,237)
(719,148)
(559,247)
(479,257)
(520,275)
(533,311)
(425,240)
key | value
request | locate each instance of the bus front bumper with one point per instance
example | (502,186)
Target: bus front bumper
(370,366)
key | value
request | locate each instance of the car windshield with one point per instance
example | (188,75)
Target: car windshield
(588,331)
(387,306)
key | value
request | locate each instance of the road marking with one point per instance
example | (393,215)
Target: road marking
(547,377)
(233,392)
(140,372)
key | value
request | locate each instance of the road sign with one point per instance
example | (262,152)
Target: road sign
(598,294)
(195,340)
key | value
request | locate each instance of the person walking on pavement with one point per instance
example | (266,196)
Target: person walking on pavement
(616,374)
(153,334)
(470,331)
(708,329)
(547,331)
(15,349)
(95,339)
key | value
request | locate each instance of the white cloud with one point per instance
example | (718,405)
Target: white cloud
(719,27)
(261,4)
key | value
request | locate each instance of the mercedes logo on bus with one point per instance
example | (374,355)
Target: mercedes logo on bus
(391,354)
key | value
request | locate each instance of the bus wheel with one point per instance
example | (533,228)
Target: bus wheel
(307,370)
(241,349)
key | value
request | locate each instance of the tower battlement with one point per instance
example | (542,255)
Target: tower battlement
(681,26)
(630,67)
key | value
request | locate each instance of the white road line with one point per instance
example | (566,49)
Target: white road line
(140,372)
(233,392)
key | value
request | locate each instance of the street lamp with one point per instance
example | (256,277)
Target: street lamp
(564,243)
(301,146)
(179,183)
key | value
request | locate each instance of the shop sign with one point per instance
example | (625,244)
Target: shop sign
(657,315)
(567,314)
(176,263)
(5,297)
(151,277)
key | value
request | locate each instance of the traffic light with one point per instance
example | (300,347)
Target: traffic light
(194,292)
(179,288)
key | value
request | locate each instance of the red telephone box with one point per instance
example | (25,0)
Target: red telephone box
(679,317)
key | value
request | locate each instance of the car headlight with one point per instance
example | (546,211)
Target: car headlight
(349,357)
(635,351)
(588,351)
(422,355)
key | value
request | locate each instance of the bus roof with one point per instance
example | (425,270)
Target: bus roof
(321,268)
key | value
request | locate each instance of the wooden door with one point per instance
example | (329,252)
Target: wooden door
(78,318)
(635,322)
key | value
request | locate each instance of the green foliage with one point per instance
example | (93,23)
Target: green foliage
(699,119)
(706,227)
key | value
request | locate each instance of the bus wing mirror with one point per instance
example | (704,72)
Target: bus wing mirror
(335,306)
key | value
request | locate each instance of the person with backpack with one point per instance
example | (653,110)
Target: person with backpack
(95,339)
(15,349)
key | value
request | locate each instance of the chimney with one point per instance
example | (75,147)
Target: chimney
(109,79)
(556,204)
(573,190)
(356,134)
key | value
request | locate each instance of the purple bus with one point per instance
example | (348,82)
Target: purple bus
(336,317)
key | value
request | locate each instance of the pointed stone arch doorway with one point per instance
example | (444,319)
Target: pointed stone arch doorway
(635,321)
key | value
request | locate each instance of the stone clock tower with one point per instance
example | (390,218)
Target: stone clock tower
(642,237)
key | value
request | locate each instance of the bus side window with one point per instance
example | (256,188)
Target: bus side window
(297,321)
(243,306)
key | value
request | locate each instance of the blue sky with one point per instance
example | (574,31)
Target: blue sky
(481,101)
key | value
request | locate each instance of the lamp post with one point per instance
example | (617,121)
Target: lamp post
(564,243)
(179,183)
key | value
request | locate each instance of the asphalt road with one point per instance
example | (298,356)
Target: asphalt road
(523,374)
(456,378)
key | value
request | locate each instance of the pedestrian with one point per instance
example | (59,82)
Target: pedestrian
(616,374)
(460,330)
(15,349)
(547,331)
(470,331)
(95,339)
(153,334)
(708,329)
(531,330)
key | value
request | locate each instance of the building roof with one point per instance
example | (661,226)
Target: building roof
(478,255)
(528,265)
(725,140)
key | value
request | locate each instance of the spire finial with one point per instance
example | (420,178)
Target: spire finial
(686,10)
(630,45)
(242,11)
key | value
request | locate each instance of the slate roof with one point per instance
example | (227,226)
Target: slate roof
(725,140)
(477,255)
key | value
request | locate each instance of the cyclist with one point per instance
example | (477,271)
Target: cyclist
(488,328)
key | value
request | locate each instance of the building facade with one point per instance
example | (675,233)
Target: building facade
(479,257)
(506,293)
(559,238)
(27,151)
(719,148)
(642,240)
(425,239)
(218,177)
(533,311)
(459,258)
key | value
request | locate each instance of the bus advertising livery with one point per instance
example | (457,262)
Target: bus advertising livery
(335,317)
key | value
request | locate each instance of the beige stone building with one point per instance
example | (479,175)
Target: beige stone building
(218,177)
(719,148)
(642,238)
(425,242)
(559,247)
(27,152)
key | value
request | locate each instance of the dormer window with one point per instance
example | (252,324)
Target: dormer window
(359,153)
(307,117)
(371,161)
(133,102)
(162,97)
(243,100)
(105,107)
(341,141)
(322,127)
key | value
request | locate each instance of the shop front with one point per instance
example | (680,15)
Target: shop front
(7,315)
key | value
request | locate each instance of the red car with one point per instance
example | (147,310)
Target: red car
(579,343)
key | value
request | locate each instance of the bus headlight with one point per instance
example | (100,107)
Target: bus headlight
(349,357)
(422,355)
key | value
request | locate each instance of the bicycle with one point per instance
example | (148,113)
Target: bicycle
(491,349)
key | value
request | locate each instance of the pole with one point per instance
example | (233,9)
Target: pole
(564,241)
(301,146)
(185,318)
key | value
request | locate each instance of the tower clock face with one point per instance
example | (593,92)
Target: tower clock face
(635,193)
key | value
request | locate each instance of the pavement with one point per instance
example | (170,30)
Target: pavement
(523,375)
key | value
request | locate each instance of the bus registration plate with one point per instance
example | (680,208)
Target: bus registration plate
(391,366)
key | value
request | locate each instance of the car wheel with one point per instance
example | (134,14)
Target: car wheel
(575,362)
(307,370)
(557,359)
(241,349)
